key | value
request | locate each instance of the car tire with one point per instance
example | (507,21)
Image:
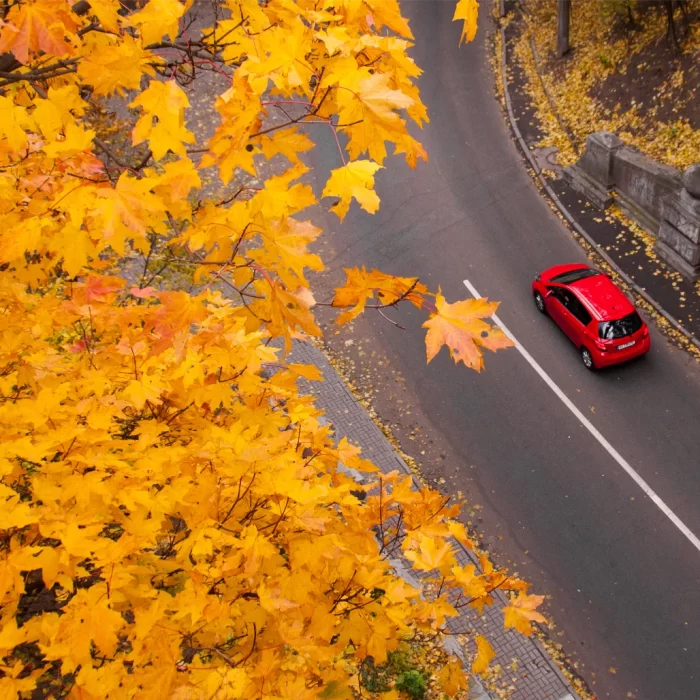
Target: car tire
(539,303)
(587,359)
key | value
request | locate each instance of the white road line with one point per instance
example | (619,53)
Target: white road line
(593,430)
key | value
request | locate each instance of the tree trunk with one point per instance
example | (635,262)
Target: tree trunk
(564,16)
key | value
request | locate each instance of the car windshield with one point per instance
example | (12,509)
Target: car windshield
(574,275)
(620,328)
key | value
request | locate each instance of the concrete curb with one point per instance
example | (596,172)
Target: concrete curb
(567,215)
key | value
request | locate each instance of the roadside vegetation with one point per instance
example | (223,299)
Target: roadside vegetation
(633,68)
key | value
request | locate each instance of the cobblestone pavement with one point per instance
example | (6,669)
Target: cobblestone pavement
(528,668)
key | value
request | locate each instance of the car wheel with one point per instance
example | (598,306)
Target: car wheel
(539,303)
(587,359)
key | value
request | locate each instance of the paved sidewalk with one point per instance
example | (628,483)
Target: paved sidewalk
(527,668)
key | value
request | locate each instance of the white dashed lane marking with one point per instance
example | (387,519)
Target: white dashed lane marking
(593,430)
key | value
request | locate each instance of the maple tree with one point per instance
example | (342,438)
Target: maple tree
(175,521)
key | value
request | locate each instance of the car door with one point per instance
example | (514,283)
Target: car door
(579,321)
(560,310)
(555,305)
(568,322)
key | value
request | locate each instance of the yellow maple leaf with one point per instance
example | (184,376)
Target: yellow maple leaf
(157,18)
(12,686)
(373,99)
(465,577)
(11,635)
(60,108)
(310,372)
(127,208)
(87,619)
(388,13)
(286,249)
(162,123)
(468,12)
(13,513)
(433,553)
(240,114)
(279,198)
(75,140)
(522,612)
(176,181)
(14,123)
(356,179)
(461,328)
(144,389)
(289,142)
(412,148)
(484,655)
(113,66)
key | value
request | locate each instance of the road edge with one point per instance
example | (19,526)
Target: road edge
(561,207)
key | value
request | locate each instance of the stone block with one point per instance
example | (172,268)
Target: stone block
(645,182)
(691,180)
(673,238)
(679,233)
(582,182)
(637,213)
(689,271)
(597,158)
(682,211)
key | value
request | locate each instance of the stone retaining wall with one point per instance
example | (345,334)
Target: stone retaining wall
(659,198)
(641,184)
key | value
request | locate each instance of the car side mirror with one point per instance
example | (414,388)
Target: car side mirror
(549,293)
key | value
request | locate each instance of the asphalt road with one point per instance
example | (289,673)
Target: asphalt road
(624,581)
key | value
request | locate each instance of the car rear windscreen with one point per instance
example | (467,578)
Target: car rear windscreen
(574,275)
(620,328)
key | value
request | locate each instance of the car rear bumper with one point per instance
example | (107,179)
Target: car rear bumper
(615,357)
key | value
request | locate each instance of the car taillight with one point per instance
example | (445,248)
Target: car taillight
(645,332)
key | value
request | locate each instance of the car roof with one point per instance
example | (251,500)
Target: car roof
(603,297)
(560,269)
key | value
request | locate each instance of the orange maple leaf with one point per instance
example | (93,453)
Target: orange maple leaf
(452,678)
(461,328)
(39,26)
(484,655)
(521,612)
(360,286)
(349,455)
(288,311)
(100,289)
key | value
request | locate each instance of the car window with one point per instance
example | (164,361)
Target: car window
(572,303)
(620,328)
(574,275)
(555,292)
(566,298)
(578,309)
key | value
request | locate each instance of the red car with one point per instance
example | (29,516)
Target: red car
(593,312)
